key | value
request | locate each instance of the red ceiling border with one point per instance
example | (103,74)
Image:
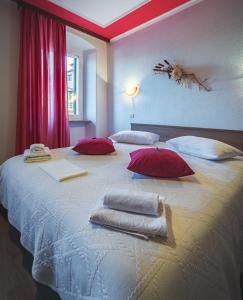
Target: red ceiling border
(139,16)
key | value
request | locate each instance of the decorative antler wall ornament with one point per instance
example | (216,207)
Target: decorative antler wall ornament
(177,73)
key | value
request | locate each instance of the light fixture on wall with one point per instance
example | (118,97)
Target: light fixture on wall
(132,90)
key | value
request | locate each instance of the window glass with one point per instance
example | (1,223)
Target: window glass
(72,84)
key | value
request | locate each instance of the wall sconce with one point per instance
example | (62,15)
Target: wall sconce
(132,90)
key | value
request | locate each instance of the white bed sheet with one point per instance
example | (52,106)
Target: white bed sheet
(202,259)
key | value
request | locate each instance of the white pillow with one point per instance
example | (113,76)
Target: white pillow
(203,147)
(135,137)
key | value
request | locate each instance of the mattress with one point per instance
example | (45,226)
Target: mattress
(201,259)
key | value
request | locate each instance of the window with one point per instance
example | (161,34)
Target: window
(73,88)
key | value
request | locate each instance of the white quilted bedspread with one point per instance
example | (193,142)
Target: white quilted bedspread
(202,258)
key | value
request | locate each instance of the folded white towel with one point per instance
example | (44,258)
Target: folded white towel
(139,202)
(62,169)
(37,147)
(39,156)
(36,159)
(148,225)
(45,152)
(136,234)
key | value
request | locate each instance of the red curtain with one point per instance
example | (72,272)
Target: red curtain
(42,87)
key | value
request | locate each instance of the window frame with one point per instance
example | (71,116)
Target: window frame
(76,54)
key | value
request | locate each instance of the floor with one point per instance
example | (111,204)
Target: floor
(16,282)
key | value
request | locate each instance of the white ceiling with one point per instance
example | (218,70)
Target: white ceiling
(101,12)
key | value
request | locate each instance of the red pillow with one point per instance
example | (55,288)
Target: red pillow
(94,146)
(158,163)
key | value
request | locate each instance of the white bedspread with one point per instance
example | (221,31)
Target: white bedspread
(202,259)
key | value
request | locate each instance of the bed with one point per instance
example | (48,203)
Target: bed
(201,258)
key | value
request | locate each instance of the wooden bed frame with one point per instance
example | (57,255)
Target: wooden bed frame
(232,137)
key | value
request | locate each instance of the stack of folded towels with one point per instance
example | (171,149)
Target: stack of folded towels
(136,213)
(37,153)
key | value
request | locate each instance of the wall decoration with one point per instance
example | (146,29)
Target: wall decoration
(177,73)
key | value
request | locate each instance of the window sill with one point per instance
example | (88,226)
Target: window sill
(76,123)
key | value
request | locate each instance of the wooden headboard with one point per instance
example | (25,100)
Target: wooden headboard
(232,137)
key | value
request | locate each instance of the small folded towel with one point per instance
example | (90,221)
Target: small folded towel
(136,234)
(36,159)
(37,156)
(45,152)
(139,202)
(147,225)
(62,170)
(37,147)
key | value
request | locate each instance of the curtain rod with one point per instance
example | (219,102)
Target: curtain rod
(61,20)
